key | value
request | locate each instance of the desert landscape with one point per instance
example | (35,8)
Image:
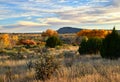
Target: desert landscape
(59,41)
(26,58)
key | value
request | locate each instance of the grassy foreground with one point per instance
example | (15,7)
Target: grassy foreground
(75,68)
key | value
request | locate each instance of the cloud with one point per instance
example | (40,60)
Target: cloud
(57,21)
(54,13)
(100,1)
(41,1)
(29,23)
(62,1)
(22,29)
(116,3)
(1,27)
(87,15)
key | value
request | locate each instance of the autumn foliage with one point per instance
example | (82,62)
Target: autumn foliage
(93,33)
(49,32)
(15,38)
(40,43)
(5,39)
(27,42)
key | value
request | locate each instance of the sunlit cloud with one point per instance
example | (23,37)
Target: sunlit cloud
(29,23)
(1,27)
(58,21)
(100,0)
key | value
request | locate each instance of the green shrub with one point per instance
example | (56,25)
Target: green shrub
(83,47)
(90,46)
(111,46)
(46,66)
(53,41)
(94,45)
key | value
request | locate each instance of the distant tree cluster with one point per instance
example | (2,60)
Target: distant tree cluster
(109,47)
(93,33)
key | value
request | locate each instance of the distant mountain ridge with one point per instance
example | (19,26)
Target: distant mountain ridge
(64,30)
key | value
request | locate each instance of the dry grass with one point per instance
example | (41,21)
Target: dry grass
(82,69)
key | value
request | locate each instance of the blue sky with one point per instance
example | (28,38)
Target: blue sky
(39,15)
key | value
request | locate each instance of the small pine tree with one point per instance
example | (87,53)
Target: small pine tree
(53,41)
(111,46)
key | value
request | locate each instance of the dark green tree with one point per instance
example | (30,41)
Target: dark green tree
(111,46)
(94,45)
(83,47)
(90,46)
(53,41)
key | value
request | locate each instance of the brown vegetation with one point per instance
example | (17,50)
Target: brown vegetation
(27,42)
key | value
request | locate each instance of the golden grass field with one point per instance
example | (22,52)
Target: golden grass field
(75,68)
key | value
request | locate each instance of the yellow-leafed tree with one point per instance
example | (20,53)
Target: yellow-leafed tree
(8,41)
(49,32)
(5,39)
(15,38)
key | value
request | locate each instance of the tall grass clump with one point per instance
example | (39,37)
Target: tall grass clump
(46,66)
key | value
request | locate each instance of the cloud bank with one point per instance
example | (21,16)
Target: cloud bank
(41,14)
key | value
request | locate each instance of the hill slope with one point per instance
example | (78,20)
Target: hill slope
(68,30)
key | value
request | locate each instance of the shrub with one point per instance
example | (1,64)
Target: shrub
(27,42)
(53,41)
(111,46)
(46,66)
(83,46)
(94,45)
(90,46)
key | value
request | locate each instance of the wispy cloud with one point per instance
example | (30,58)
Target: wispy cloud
(116,3)
(29,23)
(58,21)
(1,27)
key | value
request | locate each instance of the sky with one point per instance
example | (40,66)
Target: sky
(39,15)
